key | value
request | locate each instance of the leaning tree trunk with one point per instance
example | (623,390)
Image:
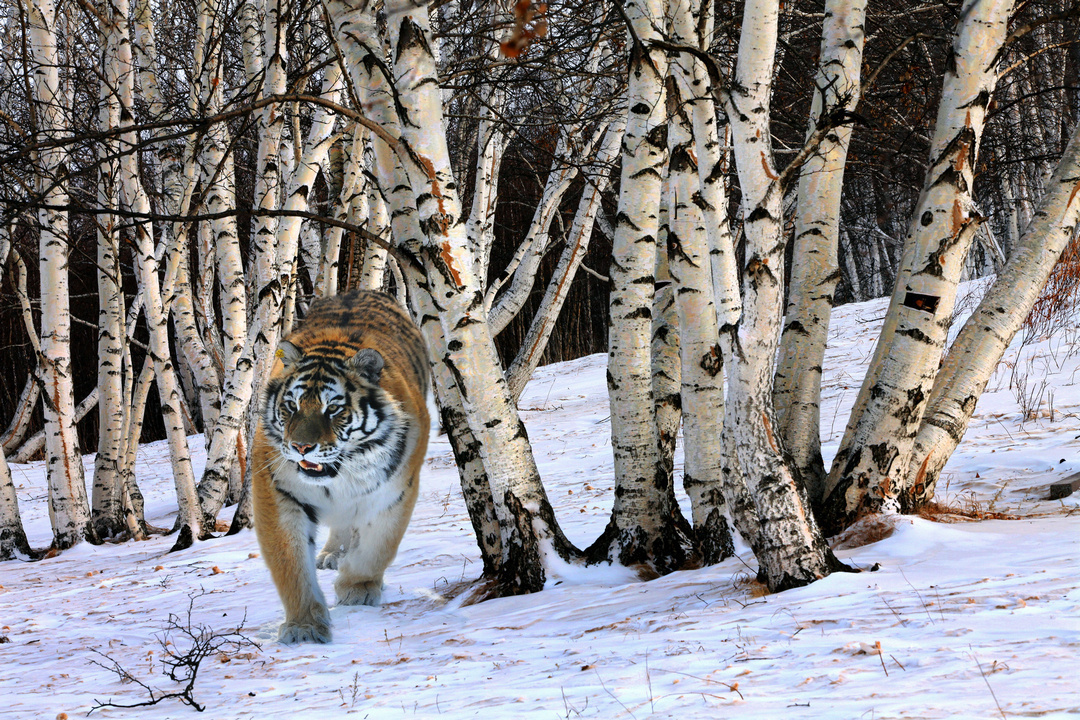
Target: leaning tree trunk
(68,506)
(475,484)
(188,519)
(871,465)
(577,245)
(532,541)
(985,337)
(814,266)
(12,535)
(789,547)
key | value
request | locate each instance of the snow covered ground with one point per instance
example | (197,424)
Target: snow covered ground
(959,620)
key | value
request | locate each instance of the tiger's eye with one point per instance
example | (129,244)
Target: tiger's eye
(333,410)
(289,406)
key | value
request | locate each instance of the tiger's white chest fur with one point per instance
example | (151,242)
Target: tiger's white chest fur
(363,489)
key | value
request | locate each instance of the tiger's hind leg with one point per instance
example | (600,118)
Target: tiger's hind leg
(373,547)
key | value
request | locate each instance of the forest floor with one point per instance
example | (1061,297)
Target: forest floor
(974,613)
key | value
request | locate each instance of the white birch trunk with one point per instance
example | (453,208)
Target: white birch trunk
(527,524)
(666,368)
(871,465)
(641,528)
(702,380)
(352,196)
(373,274)
(68,506)
(475,485)
(983,340)
(13,541)
(188,521)
(491,142)
(16,430)
(789,545)
(218,178)
(106,499)
(815,267)
(522,269)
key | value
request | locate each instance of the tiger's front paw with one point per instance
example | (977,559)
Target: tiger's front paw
(368,592)
(313,629)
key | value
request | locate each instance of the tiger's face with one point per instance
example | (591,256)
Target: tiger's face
(326,412)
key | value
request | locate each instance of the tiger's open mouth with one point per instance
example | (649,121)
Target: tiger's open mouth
(312,469)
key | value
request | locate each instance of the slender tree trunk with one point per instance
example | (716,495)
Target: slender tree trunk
(789,546)
(68,505)
(642,528)
(16,430)
(12,535)
(871,465)
(983,340)
(521,271)
(815,267)
(243,383)
(373,274)
(188,520)
(702,384)
(106,501)
(531,539)
(218,179)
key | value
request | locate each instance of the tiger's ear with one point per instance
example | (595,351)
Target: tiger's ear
(288,353)
(369,363)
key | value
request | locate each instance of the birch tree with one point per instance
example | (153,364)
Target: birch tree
(13,540)
(68,505)
(871,465)
(789,546)
(642,525)
(815,265)
(982,341)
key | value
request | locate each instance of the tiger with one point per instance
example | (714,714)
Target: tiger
(342,433)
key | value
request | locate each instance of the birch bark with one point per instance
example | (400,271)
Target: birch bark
(531,539)
(789,546)
(641,528)
(871,465)
(242,384)
(106,498)
(521,271)
(815,267)
(533,542)
(702,389)
(218,177)
(701,259)
(68,505)
(982,342)
(13,540)
(188,520)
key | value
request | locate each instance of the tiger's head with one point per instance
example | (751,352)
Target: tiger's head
(326,411)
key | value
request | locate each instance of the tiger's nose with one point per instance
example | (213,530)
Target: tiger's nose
(302,449)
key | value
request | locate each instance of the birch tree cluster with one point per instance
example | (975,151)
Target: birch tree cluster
(688,185)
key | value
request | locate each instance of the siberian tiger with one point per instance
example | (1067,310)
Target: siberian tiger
(341,438)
